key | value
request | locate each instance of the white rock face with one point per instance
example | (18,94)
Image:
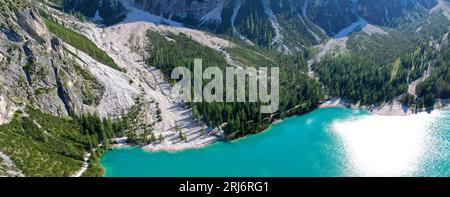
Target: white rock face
(442,6)
(277,40)
(214,15)
(1,58)
(7,167)
(6,110)
(119,94)
(34,26)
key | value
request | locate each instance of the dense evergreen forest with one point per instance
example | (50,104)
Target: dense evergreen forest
(382,48)
(57,146)
(438,84)
(110,11)
(298,93)
(252,23)
(366,80)
(54,146)
(361,79)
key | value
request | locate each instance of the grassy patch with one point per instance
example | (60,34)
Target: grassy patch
(42,91)
(82,43)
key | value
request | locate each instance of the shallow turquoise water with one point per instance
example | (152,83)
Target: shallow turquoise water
(306,145)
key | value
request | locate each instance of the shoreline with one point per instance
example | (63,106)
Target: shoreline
(393,108)
(167,146)
(164,147)
(399,141)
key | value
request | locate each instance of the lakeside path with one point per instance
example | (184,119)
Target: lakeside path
(84,167)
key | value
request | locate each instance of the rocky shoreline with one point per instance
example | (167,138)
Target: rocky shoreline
(393,108)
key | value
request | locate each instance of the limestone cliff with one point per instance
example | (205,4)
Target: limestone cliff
(36,69)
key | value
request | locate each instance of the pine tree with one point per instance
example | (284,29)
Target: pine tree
(153,138)
(181,135)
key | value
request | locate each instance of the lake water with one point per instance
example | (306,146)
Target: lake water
(325,142)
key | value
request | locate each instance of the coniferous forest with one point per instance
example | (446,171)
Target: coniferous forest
(82,77)
(438,84)
(363,79)
(298,92)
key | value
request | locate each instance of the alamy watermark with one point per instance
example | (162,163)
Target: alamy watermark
(231,88)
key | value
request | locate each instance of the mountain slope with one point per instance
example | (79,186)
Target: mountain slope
(35,69)
(310,21)
(78,75)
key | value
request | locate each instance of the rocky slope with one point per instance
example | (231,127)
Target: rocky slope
(285,25)
(43,71)
(290,24)
(8,168)
(35,70)
(51,74)
(141,87)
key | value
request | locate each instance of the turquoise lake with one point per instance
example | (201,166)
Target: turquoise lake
(326,142)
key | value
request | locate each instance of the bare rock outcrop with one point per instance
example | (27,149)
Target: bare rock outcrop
(37,70)
(30,22)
